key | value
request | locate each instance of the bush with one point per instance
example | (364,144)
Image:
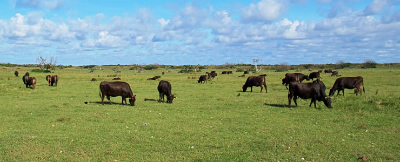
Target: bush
(369,64)
(240,70)
(150,67)
(41,71)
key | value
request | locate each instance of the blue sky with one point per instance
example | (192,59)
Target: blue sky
(205,32)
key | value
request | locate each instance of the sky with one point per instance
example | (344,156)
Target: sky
(199,32)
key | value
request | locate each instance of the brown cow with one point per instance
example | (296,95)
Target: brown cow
(313,75)
(117,88)
(349,83)
(54,80)
(314,90)
(164,88)
(255,81)
(31,82)
(16,73)
(328,71)
(293,77)
(203,79)
(335,73)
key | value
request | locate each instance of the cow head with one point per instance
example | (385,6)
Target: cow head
(327,102)
(331,92)
(244,88)
(132,100)
(170,98)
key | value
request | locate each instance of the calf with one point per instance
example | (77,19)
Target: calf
(164,88)
(314,75)
(349,83)
(203,79)
(255,81)
(314,90)
(117,88)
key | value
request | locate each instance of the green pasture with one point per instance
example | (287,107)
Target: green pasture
(207,122)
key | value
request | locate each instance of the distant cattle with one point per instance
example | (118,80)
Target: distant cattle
(16,73)
(226,72)
(154,78)
(31,82)
(94,79)
(255,81)
(327,71)
(54,80)
(246,72)
(314,75)
(203,79)
(293,77)
(211,75)
(164,88)
(335,73)
(242,75)
(113,89)
(116,78)
(314,90)
(348,83)
(48,78)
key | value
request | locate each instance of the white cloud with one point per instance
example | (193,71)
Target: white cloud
(40,4)
(265,11)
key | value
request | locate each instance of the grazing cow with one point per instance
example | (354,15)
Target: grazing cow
(335,73)
(94,79)
(54,80)
(117,88)
(16,73)
(154,78)
(349,83)
(314,90)
(31,82)
(164,88)
(224,72)
(48,78)
(255,81)
(203,79)
(293,77)
(314,75)
(328,71)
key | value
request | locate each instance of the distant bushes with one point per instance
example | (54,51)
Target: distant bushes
(369,64)
(40,71)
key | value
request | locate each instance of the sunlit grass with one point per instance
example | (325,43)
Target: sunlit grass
(206,121)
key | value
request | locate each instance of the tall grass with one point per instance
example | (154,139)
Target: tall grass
(206,122)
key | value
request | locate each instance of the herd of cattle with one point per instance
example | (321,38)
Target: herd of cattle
(314,90)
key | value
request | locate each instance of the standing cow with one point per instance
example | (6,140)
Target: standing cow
(16,73)
(314,90)
(349,83)
(164,88)
(54,80)
(31,82)
(255,81)
(314,75)
(114,89)
(48,78)
(203,79)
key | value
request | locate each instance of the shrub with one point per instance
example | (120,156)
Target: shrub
(369,64)
(150,67)
(41,71)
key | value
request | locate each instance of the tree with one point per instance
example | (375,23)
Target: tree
(255,63)
(44,65)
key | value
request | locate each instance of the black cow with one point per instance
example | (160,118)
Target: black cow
(349,83)
(16,73)
(203,79)
(314,90)
(117,88)
(54,80)
(314,75)
(211,75)
(31,82)
(328,71)
(48,78)
(164,88)
(335,73)
(293,77)
(25,79)
(246,72)
(255,81)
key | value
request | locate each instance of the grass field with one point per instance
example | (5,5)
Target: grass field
(207,122)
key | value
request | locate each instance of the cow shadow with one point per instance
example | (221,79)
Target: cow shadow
(105,103)
(278,105)
(153,100)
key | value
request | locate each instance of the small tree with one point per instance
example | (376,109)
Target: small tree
(369,64)
(44,65)
(255,63)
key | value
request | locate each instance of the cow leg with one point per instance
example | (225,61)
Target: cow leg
(123,99)
(290,98)
(251,89)
(295,100)
(109,100)
(343,91)
(102,98)
(265,86)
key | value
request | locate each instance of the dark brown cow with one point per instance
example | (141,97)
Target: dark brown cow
(94,79)
(27,73)
(117,88)
(48,78)
(16,73)
(154,78)
(293,77)
(164,88)
(348,83)
(335,73)
(203,79)
(31,82)
(54,80)
(255,81)
(246,72)
(116,78)
(314,90)
(25,79)
(211,75)
(328,71)
(314,75)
